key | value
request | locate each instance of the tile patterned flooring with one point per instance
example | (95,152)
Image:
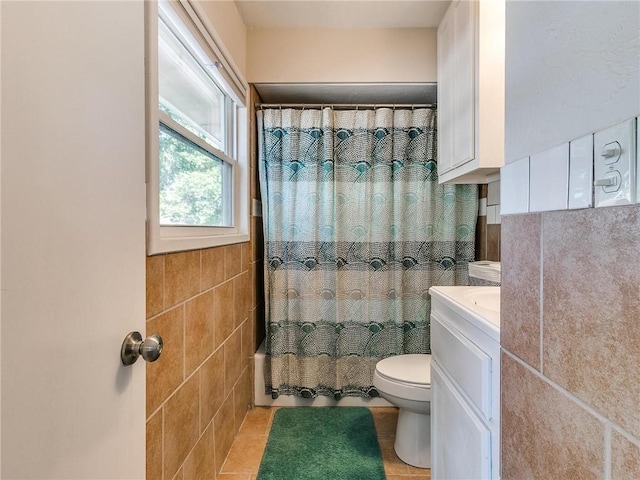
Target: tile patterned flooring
(243,460)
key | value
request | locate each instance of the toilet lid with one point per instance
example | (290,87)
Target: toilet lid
(411,368)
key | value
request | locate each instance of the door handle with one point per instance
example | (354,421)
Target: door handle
(133,347)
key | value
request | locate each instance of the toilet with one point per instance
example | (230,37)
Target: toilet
(405,381)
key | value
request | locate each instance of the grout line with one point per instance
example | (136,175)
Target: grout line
(200,436)
(184,381)
(591,410)
(630,438)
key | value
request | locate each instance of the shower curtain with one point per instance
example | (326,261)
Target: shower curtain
(356,231)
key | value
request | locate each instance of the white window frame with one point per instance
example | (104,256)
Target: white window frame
(164,238)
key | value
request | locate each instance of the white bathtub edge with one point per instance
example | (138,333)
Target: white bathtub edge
(262,400)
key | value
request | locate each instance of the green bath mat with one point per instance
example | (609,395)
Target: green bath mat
(322,443)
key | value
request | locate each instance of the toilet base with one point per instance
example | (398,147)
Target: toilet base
(413,438)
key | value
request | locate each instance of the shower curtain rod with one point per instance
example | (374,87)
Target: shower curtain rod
(344,106)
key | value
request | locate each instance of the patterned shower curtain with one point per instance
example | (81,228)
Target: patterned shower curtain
(356,231)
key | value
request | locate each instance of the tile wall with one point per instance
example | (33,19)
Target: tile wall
(570,274)
(488,226)
(570,336)
(205,304)
(199,390)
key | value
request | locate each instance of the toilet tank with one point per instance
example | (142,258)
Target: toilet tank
(484,273)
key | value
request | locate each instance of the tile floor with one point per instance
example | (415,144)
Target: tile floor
(245,455)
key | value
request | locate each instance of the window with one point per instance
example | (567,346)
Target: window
(197,174)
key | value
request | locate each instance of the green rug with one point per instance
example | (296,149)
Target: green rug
(326,443)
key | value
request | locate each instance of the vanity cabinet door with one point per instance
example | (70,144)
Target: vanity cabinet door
(463,83)
(446,60)
(471,52)
(460,441)
(456,85)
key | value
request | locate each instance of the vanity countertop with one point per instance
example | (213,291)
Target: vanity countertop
(478,305)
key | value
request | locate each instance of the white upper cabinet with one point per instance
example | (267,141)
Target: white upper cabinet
(471,50)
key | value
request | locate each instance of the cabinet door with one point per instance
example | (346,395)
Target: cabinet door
(464,20)
(445,92)
(460,441)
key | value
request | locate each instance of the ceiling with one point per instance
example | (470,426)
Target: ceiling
(341,14)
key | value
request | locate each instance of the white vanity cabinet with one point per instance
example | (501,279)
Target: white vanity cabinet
(465,384)
(471,51)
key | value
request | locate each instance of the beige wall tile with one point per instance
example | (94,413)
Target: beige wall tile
(255,183)
(232,362)
(232,260)
(154,447)
(241,298)
(545,434)
(200,464)
(212,273)
(493,242)
(224,432)
(181,429)
(252,283)
(257,290)
(246,256)
(165,374)
(520,290)
(481,238)
(181,276)
(223,316)
(211,387)
(625,458)
(257,239)
(198,330)
(155,285)
(247,343)
(592,307)
(241,398)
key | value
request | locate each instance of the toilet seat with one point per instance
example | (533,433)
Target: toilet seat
(405,376)
(414,369)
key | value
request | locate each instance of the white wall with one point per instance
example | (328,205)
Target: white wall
(228,24)
(341,56)
(571,68)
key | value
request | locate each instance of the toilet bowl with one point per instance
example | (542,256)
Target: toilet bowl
(405,381)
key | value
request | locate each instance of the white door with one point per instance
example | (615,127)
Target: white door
(72,220)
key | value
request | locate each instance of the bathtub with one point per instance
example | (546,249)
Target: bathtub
(292,401)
